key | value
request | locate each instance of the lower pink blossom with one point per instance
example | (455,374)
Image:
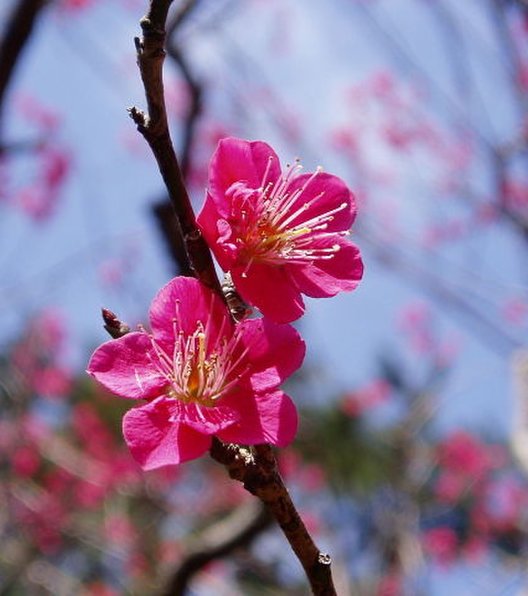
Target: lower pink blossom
(201,376)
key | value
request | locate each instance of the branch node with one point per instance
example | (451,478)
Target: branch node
(150,30)
(194,235)
(139,117)
(138,44)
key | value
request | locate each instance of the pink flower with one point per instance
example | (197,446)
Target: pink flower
(279,234)
(201,376)
(441,543)
(464,454)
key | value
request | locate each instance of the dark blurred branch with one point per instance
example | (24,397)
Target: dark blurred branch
(194,87)
(218,541)
(17,31)
(154,128)
(501,191)
(509,47)
(20,147)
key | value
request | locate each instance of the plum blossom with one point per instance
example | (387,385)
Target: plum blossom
(279,233)
(201,376)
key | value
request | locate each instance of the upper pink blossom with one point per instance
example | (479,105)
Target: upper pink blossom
(279,234)
(201,375)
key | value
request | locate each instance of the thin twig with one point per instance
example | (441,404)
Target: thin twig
(165,216)
(154,128)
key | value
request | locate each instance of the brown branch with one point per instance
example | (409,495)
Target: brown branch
(154,128)
(17,32)
(218,541)
(256,468)
(163,212)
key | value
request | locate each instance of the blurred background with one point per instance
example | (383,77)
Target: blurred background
(411,460)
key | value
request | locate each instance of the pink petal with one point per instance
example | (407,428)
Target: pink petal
(128,367)
(205,420)
(271,290)
(329,193)
(180,305)
(274,351)
(269,418)
(154,441)
(327,277)
(237,160)
(216,231)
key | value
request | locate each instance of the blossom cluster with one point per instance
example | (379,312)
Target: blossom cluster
(280,235)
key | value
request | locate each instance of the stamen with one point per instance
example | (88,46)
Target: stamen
(266,172)
(264,230)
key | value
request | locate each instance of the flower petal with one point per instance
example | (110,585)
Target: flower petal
(327,277)
(128,367)
(154,441)
(269,418)
(203,419)
(271,290)
(180,305)
(274,351)
(327,192)
(217,232)
(237,160)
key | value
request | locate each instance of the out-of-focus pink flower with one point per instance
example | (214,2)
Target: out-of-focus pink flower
(39,199)
(465,465)
(38,114)
(449,487)
(100,588)
(279,234)
(390,584)
(506,500)
(73,5)
(382,84)
(462,453)
(25,461)
(52,381)
(119,529)
(344,139)
(365,398)
(441,543)
(515,310)
(201,376)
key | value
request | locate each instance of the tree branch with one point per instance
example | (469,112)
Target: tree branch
(256,467)
(165,216)
(18,30)
(218,541)
(154,128)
